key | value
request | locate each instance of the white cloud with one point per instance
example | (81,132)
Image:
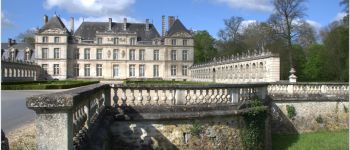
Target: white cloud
(339,16)
(315,24)
(257,5)
(5,22)
(78,21)
(95,8)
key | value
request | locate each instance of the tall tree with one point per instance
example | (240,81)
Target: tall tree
(286,14)
(203,46)
(27,36)
(307,34)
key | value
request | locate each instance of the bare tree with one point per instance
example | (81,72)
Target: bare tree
(306,34)
(231,31)
(27,36)
(286,14)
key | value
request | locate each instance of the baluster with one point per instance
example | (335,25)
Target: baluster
(132,97)
(115,97)
(206,96)
(223,96)
(213,96)
(156,97)
(124,98)
(139,98)
(171,97)
(188,97)
(201,97)
(148,97)
(194,97)
(163,98)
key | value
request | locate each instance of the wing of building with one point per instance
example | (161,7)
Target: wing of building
(114,50)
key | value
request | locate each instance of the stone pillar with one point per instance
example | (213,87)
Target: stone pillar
(234,95)
(180,97)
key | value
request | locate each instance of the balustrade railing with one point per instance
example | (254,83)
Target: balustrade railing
(136,95)
(308,89)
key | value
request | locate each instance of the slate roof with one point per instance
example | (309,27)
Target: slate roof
(54,22)
(177,27)
(87,30)
(5,50)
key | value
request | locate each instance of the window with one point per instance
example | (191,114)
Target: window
(155,71)
(142,54)
(132,41)
(115,54)
(44,53)
(132,54)
(184,70)
(27,56)
(12,55)
(87,70)
(99,40)
(115,70)
(184,42)
(173,70)
(99,70)
(76,70)
(99,54)
(45,39)
(56,53)
(131,70)
(142,70)
(44,66)
(184,55)
(57,39)
(173,41)
(76,54)
(173,54)
(56,69)
(87,53)
(156,55)
(115,41)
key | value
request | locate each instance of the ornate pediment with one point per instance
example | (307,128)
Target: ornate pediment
(54,31)
(181,34)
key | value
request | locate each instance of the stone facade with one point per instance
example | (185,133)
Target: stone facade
(109,50)
(258,66)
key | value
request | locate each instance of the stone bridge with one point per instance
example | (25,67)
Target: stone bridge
(117,116)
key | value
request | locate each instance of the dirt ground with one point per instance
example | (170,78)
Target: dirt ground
(22,138)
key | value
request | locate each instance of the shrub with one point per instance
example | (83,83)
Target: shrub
(346,110)
(291,111)
(196,128)
(40,85)
(319,119)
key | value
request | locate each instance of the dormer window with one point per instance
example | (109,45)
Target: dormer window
(99,40)
(45,39)
(57,39)
(173,42)
(27,55)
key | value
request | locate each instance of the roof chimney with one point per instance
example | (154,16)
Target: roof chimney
(163,25)
(46,19)
(124,24)
(9,42)
(147,24)
(72,25)
(171,20)
(109,24)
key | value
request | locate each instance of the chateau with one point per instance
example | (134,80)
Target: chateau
(111,50)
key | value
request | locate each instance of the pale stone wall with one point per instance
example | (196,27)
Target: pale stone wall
(333,113)
(19,71)
(215,133)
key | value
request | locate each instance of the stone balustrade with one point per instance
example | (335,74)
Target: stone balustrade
(135,95)
(308,90)
(64,119)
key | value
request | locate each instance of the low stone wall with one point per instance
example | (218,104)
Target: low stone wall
(310,116)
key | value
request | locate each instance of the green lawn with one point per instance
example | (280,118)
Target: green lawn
(41,85)
(325,140)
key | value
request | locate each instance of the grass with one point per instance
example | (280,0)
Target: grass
(41,85)
(324,140)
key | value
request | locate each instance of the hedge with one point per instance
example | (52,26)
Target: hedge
(41,85)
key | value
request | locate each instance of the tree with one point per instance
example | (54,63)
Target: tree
(307,34)
(203,46)
(286,14)
(27,36)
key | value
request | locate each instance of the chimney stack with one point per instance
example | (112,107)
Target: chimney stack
(147,24)
(72,25)
(163,25)
(9,42)
(124,24)
(171,20)
(109,24)
(46,19)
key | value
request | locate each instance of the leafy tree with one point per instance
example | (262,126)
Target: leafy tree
(286,13)
(317,66)
(27,36)
(203,46)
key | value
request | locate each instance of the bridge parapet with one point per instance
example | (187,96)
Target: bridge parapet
(64,118)
(140,95)
(309,91)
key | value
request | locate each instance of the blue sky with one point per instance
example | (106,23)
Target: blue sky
(19,15)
